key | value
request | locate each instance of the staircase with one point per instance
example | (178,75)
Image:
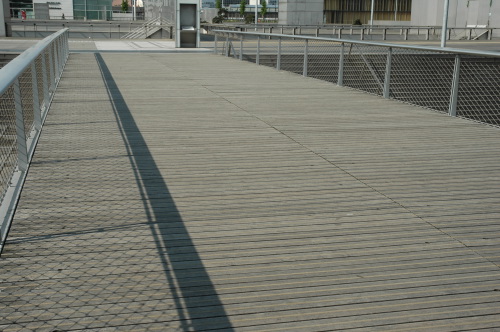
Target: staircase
(147,29)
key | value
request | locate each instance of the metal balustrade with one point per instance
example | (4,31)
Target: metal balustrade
(366,32)
(459,82)
(27,85)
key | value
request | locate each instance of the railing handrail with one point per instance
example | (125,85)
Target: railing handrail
(10,72)
(362,42)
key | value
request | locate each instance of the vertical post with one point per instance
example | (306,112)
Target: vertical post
(257,57)
(340,33)
(51,70)
(56,61)
(228,50)
(427,35)
(241,48)
(362,34)
(278,58)
(45,83)
(371,13)
(454,87)
(257,14)
(317,32)
(36,102)
(387,80)
(406,34)
(22,150)
(469,34)
(384,34)
(444,28)
(215,44)
(340,78)
(306,52)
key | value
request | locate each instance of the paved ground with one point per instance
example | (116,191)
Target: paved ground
(191,192)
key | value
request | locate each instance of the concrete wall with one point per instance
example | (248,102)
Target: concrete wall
(300,12)
(462,13)
(41,11)
(160,8)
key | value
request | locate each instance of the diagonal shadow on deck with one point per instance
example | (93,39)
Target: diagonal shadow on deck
(197,302)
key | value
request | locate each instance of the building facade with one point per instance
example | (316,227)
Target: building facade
(350,11)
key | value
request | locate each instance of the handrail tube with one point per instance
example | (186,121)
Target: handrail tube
(362,42)
(18,65)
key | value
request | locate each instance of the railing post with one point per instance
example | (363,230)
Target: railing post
(306,57)
(406,34)
(22,150)
(51,70)
(427,34)
(37,117)
(387,80)
(215,44)
(317,32)
(340,33)
(454,87)
(45,82)
(257,56)
(241,48)
(278,58)
(362,34)
(384,34)
(56,61)
(340,78)
(228,50)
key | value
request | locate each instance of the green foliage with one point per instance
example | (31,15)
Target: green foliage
(217,19)
(243,7)
(218,4)
(249,18)
(263,9)
(124,6)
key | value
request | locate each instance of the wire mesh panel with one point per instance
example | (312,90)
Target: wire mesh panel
(249,48)
(268,52)
(323,60)
(292,55)
(365,67)
(26,88)
(479,89)
(8,143)
(422,78)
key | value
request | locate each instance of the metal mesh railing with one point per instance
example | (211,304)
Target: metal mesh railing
(27,85)
(458,82)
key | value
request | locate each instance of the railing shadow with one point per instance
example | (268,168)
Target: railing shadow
(196,300)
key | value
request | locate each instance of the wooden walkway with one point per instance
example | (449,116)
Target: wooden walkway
(190,192)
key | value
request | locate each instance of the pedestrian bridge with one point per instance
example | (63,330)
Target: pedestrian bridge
(194,192)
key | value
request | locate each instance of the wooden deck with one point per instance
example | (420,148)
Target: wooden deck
(190,192)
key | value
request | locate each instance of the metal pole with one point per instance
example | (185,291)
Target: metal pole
(36,102)
(256,13)
(241,47)
(387,80)
(306,51)
(454,88)
(396,11)
(371,15)
(257,59)
(340,78)
(278,58)
(215,44)
(444,28)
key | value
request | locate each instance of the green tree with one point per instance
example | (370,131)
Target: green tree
(218,4)
(243,7)
(124,6)
(263,9)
